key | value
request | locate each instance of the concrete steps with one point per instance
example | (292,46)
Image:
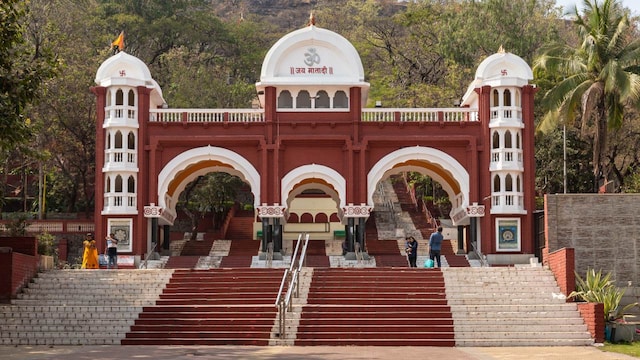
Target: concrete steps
(211,307)
(508,306)
(375,307)
(79,307)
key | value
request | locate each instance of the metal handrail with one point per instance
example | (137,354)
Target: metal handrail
(483,260)
(269,254)
(146,259)
(284,304)
(359,256)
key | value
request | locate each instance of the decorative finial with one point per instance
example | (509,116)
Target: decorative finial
(501,50)
(312,19)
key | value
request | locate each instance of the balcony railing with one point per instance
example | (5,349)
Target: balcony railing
(368,115)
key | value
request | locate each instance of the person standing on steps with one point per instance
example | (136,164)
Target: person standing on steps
(412,251)
(90,254)
(435,245)
(112,251)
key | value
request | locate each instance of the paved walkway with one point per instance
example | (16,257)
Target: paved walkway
(307,353)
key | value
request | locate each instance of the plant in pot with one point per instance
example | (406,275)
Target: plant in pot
(46,250)
(599,288)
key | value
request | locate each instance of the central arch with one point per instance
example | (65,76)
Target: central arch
(192,163)
(330,181)
(440,166)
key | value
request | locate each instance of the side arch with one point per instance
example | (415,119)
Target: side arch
(443,168)
(192,163)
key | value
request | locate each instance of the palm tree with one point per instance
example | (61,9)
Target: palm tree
(599,76)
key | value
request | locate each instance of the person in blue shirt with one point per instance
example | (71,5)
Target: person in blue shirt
(435,245)
(412,251)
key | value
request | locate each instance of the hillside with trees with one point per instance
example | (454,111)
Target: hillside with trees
(208,54)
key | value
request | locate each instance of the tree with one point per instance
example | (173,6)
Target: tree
(599,77)
(23,69)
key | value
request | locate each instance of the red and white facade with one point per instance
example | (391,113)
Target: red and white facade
(313,132)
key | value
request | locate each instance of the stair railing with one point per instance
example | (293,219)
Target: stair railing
(144,264)
(479,255)
(290,277)
(359,256)
(270,254)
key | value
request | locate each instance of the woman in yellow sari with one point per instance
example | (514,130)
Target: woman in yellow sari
(90,255)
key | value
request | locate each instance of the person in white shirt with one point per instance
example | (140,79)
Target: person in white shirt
(112,252)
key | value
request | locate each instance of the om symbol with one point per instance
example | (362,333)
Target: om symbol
(311,57)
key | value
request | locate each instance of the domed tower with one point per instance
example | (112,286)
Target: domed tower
(125,91)
(504,98)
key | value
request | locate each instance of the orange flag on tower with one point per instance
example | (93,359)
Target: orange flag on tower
(118,44)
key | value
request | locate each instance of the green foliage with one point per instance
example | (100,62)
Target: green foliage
(17,226)
(599,288)
(598,77)
(24,67)
(46,244)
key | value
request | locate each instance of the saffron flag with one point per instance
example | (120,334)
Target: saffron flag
(118,44)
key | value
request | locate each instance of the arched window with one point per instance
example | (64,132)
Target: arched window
(293,218)
(508,183)
(495,100)
(518,141)
(322,100)
(321,218)
(119,97)
(118,140)
(131,185)
(108,97)
(285,101)
(518,184)
(131,143)
(518,101)
(108,187)
(306,218)
(118,187)
(303,101)
(506,98)
(496,140)
(496,183)
(340,100)
(108,142)
(132,98)
(334,218)
(507,140)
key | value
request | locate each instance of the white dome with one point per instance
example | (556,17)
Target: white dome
(499,69)
(128,70)
(312,56)
(502,66)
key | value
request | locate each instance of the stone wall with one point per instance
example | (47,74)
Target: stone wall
(604,230)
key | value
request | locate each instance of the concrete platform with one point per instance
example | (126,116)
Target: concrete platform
(108,352)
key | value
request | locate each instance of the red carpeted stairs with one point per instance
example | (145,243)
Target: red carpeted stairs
(241,253)
(241,226)
(450,254)
(376,307)
(316,254)
(211,307)
(385,252)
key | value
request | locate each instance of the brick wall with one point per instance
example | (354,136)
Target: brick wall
(18,270)
(604,230)
(561,263)
(593,315)
(21,244)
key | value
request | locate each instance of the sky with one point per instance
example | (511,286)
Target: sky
(634,5)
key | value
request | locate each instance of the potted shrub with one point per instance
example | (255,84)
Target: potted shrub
(46,250)
(599,288)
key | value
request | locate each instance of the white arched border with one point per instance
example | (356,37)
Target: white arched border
(241,167)
(325,173)
(458,172)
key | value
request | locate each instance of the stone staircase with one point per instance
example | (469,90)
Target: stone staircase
(511,306)
(211,307)
(376,307)
(79,307)
(497,306)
